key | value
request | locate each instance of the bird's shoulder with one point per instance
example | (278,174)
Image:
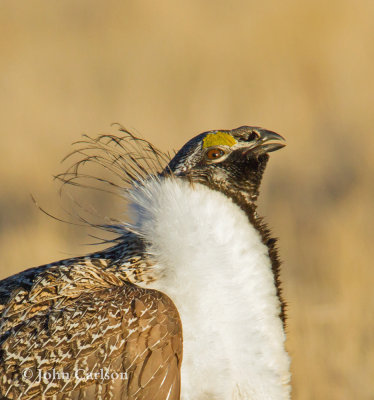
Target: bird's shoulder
(70,278)
(87,316)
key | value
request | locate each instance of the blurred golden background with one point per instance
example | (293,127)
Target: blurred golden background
(169,70)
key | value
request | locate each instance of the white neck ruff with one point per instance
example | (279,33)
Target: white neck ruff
(212,263)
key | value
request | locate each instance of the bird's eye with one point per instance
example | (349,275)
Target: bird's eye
(214,154)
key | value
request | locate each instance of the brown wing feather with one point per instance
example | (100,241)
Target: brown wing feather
(75,330)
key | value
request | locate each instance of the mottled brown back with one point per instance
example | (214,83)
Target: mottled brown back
(68,321)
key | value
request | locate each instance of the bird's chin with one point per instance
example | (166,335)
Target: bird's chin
(256,161)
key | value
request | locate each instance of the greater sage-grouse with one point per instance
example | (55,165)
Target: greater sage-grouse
(196,256)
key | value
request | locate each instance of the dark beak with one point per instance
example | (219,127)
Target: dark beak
(266,141)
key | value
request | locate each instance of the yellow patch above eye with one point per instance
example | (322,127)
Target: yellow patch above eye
(218,139)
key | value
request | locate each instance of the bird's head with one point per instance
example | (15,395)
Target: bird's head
(231,161)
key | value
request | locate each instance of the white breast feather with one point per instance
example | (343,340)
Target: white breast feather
(215,268)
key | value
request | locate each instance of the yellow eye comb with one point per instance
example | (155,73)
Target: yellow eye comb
(218,139)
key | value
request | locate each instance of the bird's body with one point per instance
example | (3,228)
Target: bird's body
(109,325)
(232,313)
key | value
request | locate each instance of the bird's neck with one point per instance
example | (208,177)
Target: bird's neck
(248,203)
(213,263)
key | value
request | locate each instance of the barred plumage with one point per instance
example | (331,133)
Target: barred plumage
(84,316)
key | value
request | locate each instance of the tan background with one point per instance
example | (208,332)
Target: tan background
(172,69)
